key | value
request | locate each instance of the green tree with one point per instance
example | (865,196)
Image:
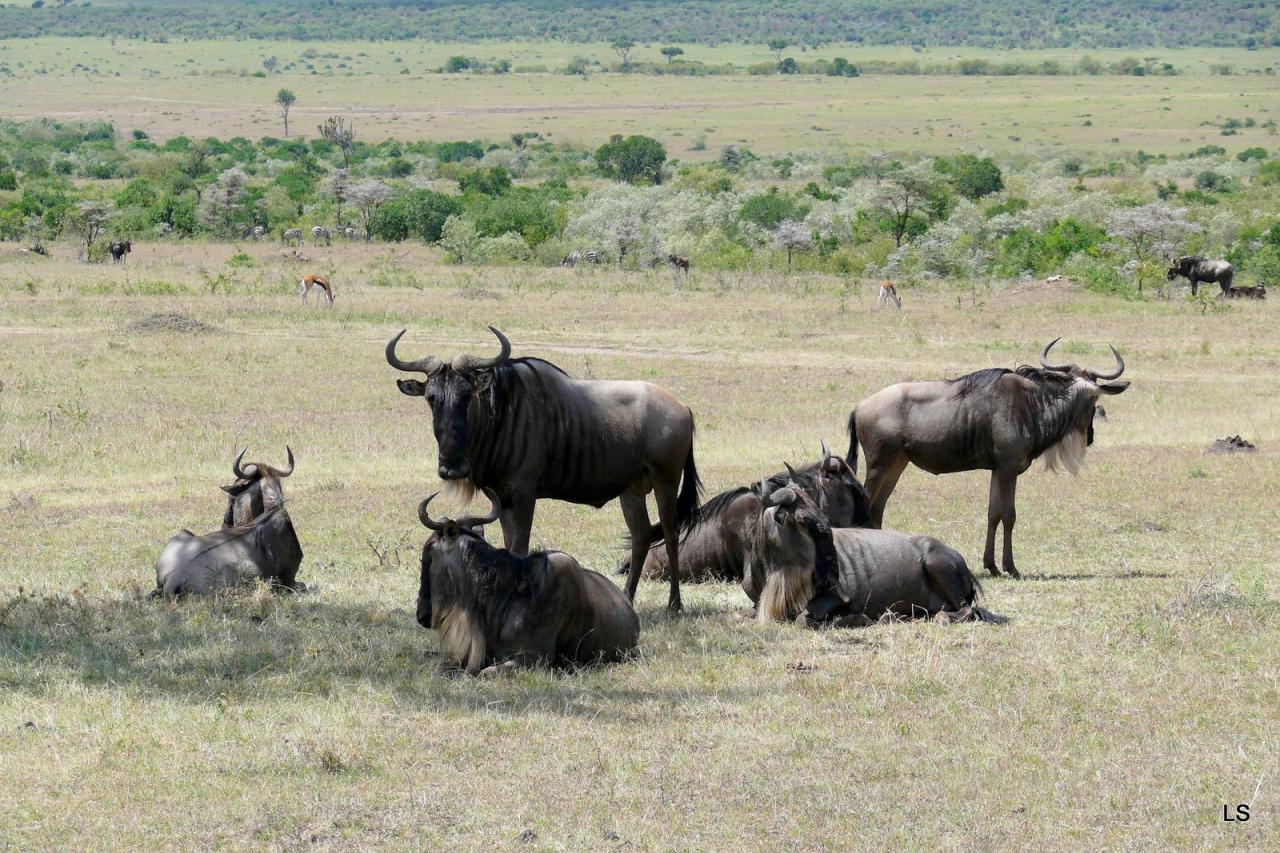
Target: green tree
(972,177)
(671,53)
(636,159)
(777,46)
(623,47)
(285,101)
(493,181)
(416,213)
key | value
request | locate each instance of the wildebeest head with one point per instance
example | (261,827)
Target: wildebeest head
(1092,384)
(792,545)
(450,390)
(256,490)
(831,484)
(450,557)
(1183,267)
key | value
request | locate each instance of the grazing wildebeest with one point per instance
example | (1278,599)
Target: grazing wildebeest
(257,540)
(888,293)
(119,249)
(1258,291)
(995,420)
(495,611)
(526,429)
(1196,269)
(680,263)
(318,233)
(320,283)
(716,546)
(291,236)
(799,568)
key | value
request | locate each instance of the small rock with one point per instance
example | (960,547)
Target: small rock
(610,835)
(528,836)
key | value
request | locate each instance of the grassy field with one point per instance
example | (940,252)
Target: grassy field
(202,87)
(1132,695)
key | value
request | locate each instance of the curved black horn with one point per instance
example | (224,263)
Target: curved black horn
(288,450)
(471,362)
(1044,357)
(240,473)
(785,496)
(495,509)
(791,472)
(826,451)
(1119,367)
(427,365)
(436,526)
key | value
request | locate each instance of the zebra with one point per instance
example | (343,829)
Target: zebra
(318,233)
(291,235)
(257,232)
(349,233)
(591,256)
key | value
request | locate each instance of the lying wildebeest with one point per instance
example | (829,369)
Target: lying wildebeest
(526,429)
(1258,291)
(1196,269)
(495,611)
(119,249)
(714,549)
(799,568)
(257,540)
(995,420)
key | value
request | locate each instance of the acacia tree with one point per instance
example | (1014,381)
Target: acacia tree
(792,236)
(270,64)
(634,159)
(366,197)
(336,131)
(339,185)
(1150,235)
(623,47)
(901,196)
(626,233)
(778,46)
(90,219)
(671,53)
(223,206)
(285,100)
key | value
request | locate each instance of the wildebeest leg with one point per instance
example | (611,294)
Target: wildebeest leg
(637,516)
(882,478)
(517,524)
(665,496)
(1000,510)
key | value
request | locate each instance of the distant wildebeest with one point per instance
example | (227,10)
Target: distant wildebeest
(119,249)
(320,233)
(1196,270)
(528,430)
(591,256)
(680,263)
(995,420)
(799,568)
(318,282)
(716,546)
(257,540)
(1258,291)
(888,293)
(495,611)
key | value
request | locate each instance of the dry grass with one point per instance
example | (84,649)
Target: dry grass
(1132,695)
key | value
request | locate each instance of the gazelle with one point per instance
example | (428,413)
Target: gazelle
(319,282)
(888,293)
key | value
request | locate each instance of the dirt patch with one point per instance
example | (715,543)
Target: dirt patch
(168,323)
(1232,444)
(477,293)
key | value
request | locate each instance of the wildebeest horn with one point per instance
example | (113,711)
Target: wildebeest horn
(436,526)
(791,472)
(1119,367)
(495,509)
(826,451)
(240,473)
(427,365)
(282,474)
(471,362)
(1044,357)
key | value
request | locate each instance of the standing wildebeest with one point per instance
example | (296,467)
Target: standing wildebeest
(495,611)
(119,249)
(995,420)
(526,429)
(1196,269)
(257,540)
(318,233)
(715,548)
(291,236)
(1258,291)
(798,566)
(680,263)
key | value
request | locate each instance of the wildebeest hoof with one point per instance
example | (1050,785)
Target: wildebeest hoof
(498,669)
(991,567)
(1012,572)
(746,615)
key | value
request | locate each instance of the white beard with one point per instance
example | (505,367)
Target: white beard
(1067,454)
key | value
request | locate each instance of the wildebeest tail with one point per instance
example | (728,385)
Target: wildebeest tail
(852,456)
(690,495)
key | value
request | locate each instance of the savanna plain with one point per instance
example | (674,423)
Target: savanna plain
(1132,695)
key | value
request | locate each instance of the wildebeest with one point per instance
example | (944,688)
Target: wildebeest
(119,249)
(257,540)
(995,420)
(1196,269)
(291,236)
(526,429)
(1258,291)
(680,263)
(320,283)
(495,611)
(715,548)
(318,233)
(888,293)
(799,568)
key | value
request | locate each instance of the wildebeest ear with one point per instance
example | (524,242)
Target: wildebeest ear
(482,380)
(1113,387)
(411,387)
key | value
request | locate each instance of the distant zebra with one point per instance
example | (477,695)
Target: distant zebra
(349,233)
(257,232)
(318,233)
(591,256)
(292,235)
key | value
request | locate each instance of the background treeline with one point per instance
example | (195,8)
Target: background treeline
(1112,224)
(979,23)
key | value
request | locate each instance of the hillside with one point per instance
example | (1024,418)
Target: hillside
(977,23)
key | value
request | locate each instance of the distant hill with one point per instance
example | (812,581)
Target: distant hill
(976,23)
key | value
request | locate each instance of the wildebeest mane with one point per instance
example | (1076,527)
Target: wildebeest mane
(826,565)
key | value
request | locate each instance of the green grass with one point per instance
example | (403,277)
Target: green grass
(1132,695)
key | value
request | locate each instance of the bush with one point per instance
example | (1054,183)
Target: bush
(493,181)
(398,167)
(768,209)
(636,159)
(8,180)
(972,177)
(1255,153)
(525,211)
(415,213)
